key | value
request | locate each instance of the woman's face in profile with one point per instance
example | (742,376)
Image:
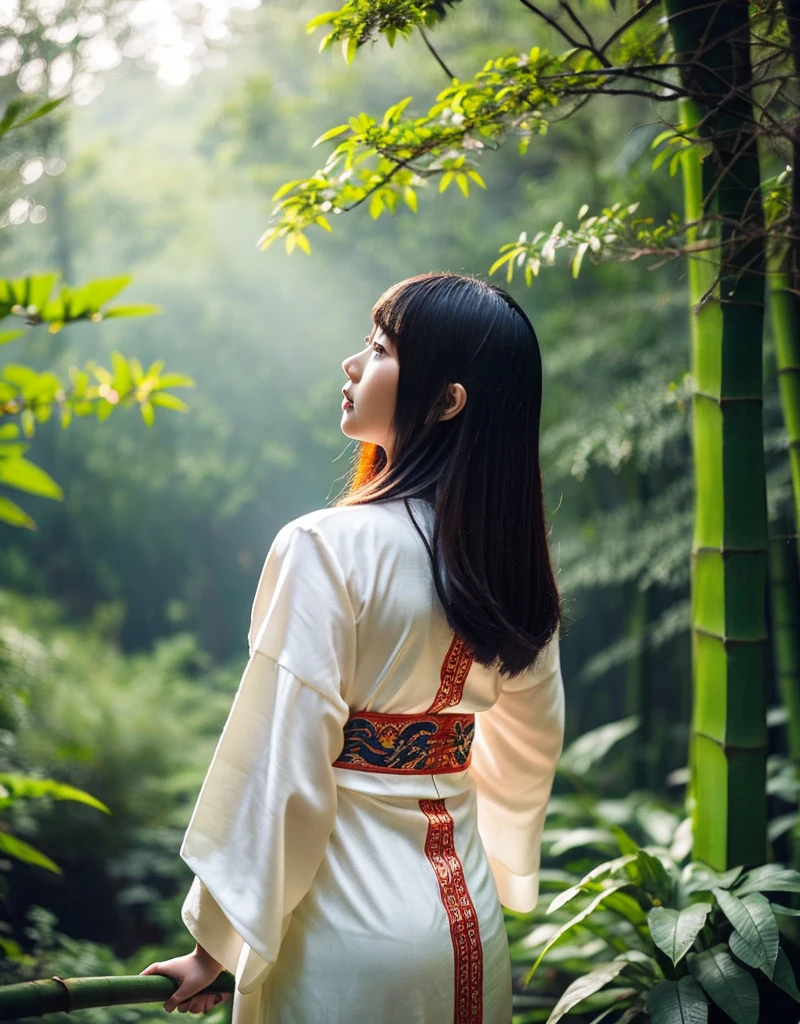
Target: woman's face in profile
(370,394)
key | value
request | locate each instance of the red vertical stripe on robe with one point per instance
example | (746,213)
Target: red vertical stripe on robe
(467,950)
(453,674)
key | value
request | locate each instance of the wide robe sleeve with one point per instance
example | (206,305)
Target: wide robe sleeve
(517,745)
(268,803)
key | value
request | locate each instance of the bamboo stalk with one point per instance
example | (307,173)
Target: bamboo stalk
(787,354)
(729,550)
(63,995)
(786,648)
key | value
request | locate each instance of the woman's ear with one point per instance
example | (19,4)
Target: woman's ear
(453,402)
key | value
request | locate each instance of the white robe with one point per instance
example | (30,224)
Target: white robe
(336,895)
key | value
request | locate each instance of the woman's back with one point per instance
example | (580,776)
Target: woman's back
(358,824)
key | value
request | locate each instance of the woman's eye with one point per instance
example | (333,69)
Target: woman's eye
(379,349)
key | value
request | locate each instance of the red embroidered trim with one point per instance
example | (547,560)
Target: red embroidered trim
(457,663)
(467,950)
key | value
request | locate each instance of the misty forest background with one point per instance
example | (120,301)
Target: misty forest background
(123,615)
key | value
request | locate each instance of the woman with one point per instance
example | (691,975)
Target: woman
(380,786)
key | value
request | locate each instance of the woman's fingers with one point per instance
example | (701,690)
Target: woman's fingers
(199,1004)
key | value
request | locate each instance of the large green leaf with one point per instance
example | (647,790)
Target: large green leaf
(674,931)
(628,907)
(23,851)
(677,1002)
(584,987)
(652,875)
(25,476)
(753,919)
(784,976)
(728,985)
(768,878)
(698,877)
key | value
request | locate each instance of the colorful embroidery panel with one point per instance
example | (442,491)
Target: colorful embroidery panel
(467,950)
(413,744)
(455,667)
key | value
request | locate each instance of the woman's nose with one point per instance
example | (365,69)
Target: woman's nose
(350,366)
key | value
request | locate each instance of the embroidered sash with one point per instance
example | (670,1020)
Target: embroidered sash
(409,744)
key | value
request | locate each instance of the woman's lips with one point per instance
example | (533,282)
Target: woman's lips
(347,404)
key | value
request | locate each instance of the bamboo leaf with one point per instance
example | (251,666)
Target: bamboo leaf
(575,922)
(140,309)
(577,259)
(25,476)
(13,515)
(609,868)
(728,985)
(572,839)
(349,47)
(677,1002)
(23,851)
(584,987)
(25,787)
(167,401)
(331,133)
(320,19)
(410,198)
(6,336)
(175,380)
(674,931)
(581,755)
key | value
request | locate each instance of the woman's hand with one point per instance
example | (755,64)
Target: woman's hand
(192,972)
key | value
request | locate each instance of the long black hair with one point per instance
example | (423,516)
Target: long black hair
(479,469)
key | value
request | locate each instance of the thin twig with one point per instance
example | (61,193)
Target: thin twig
(553,24)
(436,56)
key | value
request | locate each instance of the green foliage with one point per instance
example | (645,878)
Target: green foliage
(93,391)
(388,160)
(360,21)
(663,936)
(25,109)
(613,233)
(19,787)
(123,742)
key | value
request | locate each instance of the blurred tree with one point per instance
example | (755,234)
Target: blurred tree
(47,52)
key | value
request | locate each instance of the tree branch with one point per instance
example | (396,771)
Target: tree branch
(436,56)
